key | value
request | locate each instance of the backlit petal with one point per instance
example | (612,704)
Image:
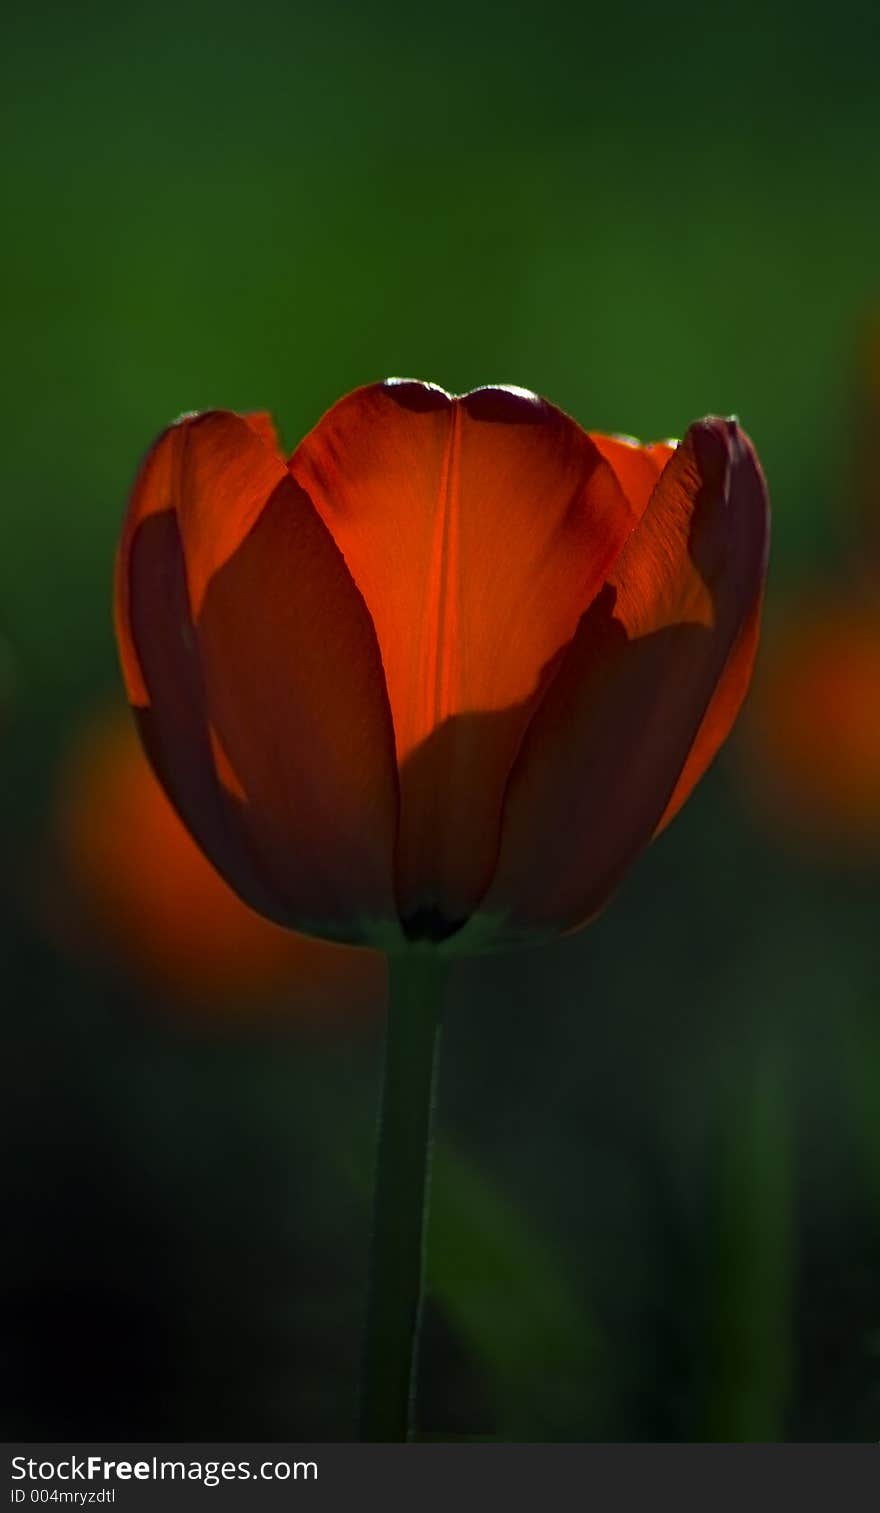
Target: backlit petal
(224,471)
(609,742)
(215,471)
(477,529)
(636,467)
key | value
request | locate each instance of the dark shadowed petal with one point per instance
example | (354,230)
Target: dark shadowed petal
(637,469)
(477,529)
(152,495)
(724,707)
(288,653)
(170,711)
(299,713)
(605,750)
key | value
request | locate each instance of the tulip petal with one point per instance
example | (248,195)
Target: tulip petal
(225,468)
(609,742)
(297,704)
(168,693)
(231,598)
(152,495)
(477,529)
(723,709)
(215,471)
(261,422)
(636,467)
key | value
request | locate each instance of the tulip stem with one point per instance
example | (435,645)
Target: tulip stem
(400,1203)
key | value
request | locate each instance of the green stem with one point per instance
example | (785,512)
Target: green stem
(400,1203)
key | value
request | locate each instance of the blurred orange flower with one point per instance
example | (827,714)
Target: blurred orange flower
(139,886)
(810,741)
(441,675)
(811,736)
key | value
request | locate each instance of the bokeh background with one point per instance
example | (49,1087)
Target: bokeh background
(657,1192)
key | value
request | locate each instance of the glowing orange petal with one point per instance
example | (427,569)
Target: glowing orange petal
(477,529)
(215,471)
(636,467)
(262,422)
(223,475)
(606,747)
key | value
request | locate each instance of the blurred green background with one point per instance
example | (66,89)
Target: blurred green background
(657,1203)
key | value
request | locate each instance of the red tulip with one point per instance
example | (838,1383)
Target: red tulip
(135,883)
(443,674)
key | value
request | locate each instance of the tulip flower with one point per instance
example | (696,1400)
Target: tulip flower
(444,673)
(432,684)
(134,883)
